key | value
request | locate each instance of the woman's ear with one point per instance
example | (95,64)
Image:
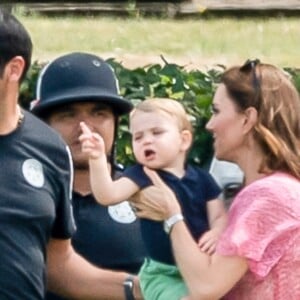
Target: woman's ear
(14,69)
(187,139)
(250,119)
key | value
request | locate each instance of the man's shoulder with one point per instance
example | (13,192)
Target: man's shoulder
(36,124)
(46,141)
(42,130)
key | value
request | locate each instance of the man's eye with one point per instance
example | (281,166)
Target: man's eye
(99,113)
(67,114)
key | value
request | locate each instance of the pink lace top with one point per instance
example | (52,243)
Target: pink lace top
(264,227)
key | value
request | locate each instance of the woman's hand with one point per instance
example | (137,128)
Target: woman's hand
(156,202)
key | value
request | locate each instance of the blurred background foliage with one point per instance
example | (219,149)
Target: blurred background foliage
(193,88)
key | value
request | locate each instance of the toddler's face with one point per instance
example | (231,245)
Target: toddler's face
(156,139)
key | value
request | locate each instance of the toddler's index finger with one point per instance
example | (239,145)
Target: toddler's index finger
(85,129)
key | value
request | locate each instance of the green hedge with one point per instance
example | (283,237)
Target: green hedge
(194,89)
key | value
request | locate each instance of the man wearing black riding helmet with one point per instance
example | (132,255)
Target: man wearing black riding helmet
(82,87)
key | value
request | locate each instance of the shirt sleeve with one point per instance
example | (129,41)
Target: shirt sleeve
(262,223)
(137,175)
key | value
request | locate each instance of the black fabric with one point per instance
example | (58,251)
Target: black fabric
(193,191)
(104,241)
(34,206)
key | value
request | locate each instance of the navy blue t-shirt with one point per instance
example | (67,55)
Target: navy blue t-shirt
(35,205)
(107,236)
(193,191)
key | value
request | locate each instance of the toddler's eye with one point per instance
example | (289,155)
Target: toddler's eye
(137,137)
(157,132)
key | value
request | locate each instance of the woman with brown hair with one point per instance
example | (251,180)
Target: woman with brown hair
(256,124)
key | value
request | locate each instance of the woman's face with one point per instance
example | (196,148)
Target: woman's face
(226,124)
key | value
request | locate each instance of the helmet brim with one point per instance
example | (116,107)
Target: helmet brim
(119,105)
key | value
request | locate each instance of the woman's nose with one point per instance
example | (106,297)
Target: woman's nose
(209,125)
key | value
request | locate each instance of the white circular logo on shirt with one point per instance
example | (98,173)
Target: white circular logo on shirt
(122,213)
(33,172)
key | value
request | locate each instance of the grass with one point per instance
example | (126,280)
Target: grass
(199,41)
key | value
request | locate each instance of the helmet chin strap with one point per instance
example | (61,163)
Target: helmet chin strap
(111,157)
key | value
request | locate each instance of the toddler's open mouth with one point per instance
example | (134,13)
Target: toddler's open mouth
(148,153)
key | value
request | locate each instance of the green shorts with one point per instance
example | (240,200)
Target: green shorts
(160,281)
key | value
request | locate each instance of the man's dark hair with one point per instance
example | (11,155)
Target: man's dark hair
(14,41)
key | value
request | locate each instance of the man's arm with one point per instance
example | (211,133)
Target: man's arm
(72,276)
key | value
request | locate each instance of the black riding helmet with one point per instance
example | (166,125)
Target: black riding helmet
(78,77)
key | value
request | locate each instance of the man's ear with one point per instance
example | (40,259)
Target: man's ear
(14,69)
(187,139)
(250,119)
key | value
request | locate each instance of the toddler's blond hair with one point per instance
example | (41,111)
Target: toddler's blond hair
(166,105)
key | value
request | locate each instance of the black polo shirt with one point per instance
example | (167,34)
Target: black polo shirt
(35,205)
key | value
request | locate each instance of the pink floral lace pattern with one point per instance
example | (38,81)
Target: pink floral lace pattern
(264,227)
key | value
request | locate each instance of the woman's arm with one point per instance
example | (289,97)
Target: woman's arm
(207,277)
